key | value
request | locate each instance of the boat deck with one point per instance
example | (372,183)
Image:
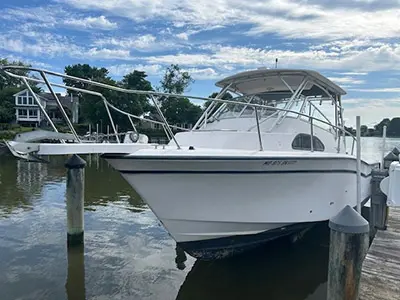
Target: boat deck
(380,279)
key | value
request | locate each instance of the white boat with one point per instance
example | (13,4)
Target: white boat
(247,172)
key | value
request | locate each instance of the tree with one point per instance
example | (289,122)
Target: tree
(226,96)
(393,128)
(92,107)
(379,127)
(175,81)
(178,110)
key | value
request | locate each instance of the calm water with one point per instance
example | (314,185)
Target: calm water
(127,253)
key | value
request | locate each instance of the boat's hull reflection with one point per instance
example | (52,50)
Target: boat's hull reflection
(280,270)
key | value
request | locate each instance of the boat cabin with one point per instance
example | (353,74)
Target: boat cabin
(275,109)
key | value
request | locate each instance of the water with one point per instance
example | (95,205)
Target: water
(127,253)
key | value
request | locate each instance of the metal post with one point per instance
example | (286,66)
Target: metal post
(258,129)
(344,138)
(133,125)
(349,240)
(383,145)
(312,134)
(40,106)
(358,128)
(97,132)
(67,120)
(108,133)
(75,199)
(115,128)
(165,121)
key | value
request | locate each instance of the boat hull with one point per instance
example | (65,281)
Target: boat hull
(217,207)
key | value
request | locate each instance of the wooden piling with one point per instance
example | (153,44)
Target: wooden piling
(349,240)
(75,199)
(379,209)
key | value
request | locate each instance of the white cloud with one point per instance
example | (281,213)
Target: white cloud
(123,69)
(384,57)
(287,18)
(138,42)
(372,111)
(183,36)
(346,80)
(378,90)
(52,45)
(100,22)
(353,73)
(52,16)
(158,70)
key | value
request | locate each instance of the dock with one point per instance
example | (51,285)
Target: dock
(380,278)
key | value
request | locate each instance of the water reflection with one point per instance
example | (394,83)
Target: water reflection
(75,285)
(279,270)
(127,253)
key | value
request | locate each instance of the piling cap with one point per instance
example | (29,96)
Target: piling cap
(349,221)
(396,151)
(391,156)
(75,162)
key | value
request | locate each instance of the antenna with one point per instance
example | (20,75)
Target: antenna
(276,63)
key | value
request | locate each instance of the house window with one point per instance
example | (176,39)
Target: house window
(22,113)
(24,100)
(33,113)
(30,101)
(19,100)
(302,141)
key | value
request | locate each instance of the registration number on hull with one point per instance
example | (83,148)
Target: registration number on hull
(280,162)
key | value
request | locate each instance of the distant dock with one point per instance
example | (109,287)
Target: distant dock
(380,279)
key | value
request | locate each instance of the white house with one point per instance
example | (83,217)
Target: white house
(28,112)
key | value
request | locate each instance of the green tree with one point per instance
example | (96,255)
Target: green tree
(178,110)
(175,81)
(92,107)
(226,96)
(379,127)
(393,128)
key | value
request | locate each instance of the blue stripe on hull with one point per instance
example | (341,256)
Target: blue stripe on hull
(239,172)
(228,246)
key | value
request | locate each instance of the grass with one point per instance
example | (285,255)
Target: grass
(12,131)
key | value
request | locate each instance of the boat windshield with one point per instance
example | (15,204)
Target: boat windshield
(230,110)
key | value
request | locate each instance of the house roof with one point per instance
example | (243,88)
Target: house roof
(48,97)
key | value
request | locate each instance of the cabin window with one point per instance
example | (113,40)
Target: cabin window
(302,141)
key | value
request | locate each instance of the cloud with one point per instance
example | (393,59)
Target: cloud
(346,80)
(100,22)
(372,111)
(353,73)
(382,57)
(378,90)
(141,42)
(53,45)
(285,18)
(158,70)
(123,69)
(55,16)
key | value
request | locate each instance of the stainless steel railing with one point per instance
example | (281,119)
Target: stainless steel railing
(152,95)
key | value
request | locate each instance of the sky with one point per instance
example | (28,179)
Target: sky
(354,43)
